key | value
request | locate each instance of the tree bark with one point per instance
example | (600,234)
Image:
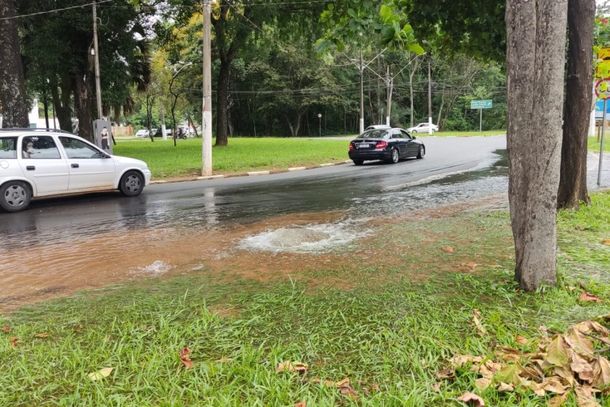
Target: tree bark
(536,34)
(222,102)
(61,103)
(573,179)
(83,99)
(13,98)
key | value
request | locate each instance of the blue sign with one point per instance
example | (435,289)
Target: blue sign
(481,104)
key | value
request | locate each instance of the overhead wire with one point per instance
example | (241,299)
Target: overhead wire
(57,10)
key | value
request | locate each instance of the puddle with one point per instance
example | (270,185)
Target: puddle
(320,238)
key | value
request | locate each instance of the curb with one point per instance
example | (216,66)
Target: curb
(248,174)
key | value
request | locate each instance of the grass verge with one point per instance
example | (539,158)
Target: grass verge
(389,333)
(594,144)
(242,154)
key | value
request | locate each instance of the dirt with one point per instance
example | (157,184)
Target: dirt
(45,271)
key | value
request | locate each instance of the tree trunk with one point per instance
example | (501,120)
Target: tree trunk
(222,102)
(83,99)
(61,103)
(411,89)
(573,180)
(13,98)
(536,34)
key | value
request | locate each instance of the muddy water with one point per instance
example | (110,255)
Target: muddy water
(59,250)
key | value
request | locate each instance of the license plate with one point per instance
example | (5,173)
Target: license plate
(363,145)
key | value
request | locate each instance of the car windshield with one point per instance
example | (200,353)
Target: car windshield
(376,133)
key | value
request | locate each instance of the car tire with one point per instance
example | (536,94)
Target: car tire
(421,152)
(132,183)
(395,157)
(358,162)
(15,196)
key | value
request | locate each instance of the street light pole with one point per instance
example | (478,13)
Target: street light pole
(361,127)
(429,98)
(206,122)
(96,59)
(319,124)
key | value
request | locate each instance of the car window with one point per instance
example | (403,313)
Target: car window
(79,149)
(396,135)
(405,134)
(376,133)
(39,148)
(8,147)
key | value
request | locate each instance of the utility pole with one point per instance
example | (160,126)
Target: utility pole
(361,129)
(96,59)
(429,98)
(206,122)
(389,84)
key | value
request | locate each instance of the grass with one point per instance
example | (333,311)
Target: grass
(241,155)
(468,133)
(594,144)
(389,334)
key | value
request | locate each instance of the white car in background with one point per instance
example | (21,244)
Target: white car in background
(37,163)
(422,128)
(142,133)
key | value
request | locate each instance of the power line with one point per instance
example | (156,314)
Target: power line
(56,10)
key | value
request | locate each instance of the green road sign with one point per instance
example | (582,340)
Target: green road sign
(481,104)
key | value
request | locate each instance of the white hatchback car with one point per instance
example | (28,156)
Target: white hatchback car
(36,163)
(423,128)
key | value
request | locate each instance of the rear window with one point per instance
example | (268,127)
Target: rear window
(8,147)
(377,133)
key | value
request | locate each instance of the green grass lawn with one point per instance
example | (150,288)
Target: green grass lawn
(242,154)
(389,331)
(594,144)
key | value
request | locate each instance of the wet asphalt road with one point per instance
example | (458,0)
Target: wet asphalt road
(210,203)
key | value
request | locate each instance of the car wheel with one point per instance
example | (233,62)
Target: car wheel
(15,196)
(132,183)
(421,153)
(395,157)
(413,131)
(358,162)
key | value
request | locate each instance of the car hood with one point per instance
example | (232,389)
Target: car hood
(130,161)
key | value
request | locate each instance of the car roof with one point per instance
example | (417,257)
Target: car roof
(25,131)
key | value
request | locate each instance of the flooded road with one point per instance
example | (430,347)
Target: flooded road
(62,245)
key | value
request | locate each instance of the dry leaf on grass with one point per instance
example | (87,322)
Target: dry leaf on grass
(476,318)
(185,357)
(606,242)
(300,404)
(601,372)
(14,341)
(585,397)
(521,340)
(558,400)
(41,335)
(288,366)
(446,373)
(6,329)
(100,374)
(448,249)
(587,297)
(482,383)
(472,399)
(505,387)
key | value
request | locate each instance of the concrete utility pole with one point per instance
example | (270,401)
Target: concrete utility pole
(96,59)
(429,98)
(206,122)
(361,128)
(389,85)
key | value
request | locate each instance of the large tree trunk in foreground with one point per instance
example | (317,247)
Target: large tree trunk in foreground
(222,104)
(577,106)
(84,102)
(536,34)
(13,103)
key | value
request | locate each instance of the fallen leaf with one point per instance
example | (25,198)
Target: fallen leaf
(510,374)
(591,326)
(6,329)
(606,242)
(482,383)
(521,340)
(460,360)
(41,335)
(601,372)
(554,385)
(185,357)
(558,400)
(587,297)
(288,366)
(579,342)
(100,374)
(445,374)
(585,397)
(582,368)
(346,389)
(476,318)
(301,404)
(14,341)
(505,387)
(472,399)
(436,387)
(557,354)
(566,374)
(448,249)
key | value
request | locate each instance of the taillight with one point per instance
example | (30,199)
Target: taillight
(351,146)
(381,145)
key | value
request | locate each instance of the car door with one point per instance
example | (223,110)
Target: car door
(411,147)
(43,165)
(399,142)
(90,168)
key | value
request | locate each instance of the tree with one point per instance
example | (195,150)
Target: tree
(573,183)
(536,34)
(13,103)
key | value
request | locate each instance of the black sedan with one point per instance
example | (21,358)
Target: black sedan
(390,145)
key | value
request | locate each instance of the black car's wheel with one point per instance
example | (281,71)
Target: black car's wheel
(395,157)
(358,162)
(132,183)
(421,153)
(15,196)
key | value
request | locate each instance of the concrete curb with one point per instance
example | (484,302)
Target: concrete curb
(248,174)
